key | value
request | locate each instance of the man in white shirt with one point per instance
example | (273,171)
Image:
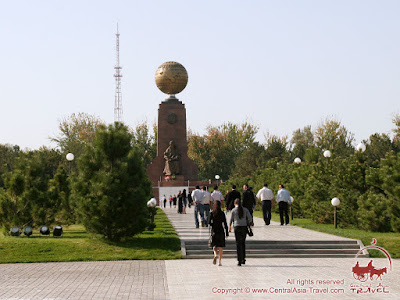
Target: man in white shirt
(197,196)
(266,196)
(216,195)
(283,199)
(206,203)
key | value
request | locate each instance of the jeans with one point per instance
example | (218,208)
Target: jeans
(240,236)
(206,211)
(199,209)
(266,209)
(283,210)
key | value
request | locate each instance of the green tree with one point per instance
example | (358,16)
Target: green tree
(373,213)
(251,159)
(8,154)
(276,148)
(59,191)
(76,131)
(145,142)
(396,131)
(377,147)
(216,152)
(25,199)
(331,135)
(112,188)
(302,140)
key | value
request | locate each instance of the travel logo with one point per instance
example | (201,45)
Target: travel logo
(371,272)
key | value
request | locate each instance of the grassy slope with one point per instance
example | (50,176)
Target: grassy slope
(78,245)
(388,240)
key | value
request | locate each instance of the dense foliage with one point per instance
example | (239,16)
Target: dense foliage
(111,188)
(35,186)
(368,183)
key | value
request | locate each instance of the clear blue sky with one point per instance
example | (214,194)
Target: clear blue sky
(279,64)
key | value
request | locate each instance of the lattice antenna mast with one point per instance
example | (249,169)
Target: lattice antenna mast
(118,94)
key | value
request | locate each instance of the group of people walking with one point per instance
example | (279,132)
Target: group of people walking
(182,199)
(241,208)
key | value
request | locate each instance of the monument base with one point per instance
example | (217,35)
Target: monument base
(172,187)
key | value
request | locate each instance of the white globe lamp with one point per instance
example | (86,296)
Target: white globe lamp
(361,147)
(327,153)
(335,202)
(70,157)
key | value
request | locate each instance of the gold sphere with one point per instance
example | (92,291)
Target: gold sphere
(171,78)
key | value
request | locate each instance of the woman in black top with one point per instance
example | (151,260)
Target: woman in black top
(216,219)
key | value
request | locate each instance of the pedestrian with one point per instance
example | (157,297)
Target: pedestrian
(266,196)
(283,200)
(164,200)
(174,200)
(249,200)
(230,198)
(180,202)
(197,196)
(216,195)
(217,221)
(184,200)
(241,219)
(206,202)
(190,200)
(170,201)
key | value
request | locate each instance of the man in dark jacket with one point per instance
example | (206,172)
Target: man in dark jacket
(231,197)
(249,200)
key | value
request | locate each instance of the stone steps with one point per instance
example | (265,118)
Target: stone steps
(258,248)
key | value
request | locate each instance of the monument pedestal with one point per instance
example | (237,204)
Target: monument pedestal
(172,127)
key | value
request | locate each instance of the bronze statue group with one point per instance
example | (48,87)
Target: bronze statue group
(241,208)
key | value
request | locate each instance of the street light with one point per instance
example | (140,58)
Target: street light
(57,231)
(70,157)
(290,207)
(335,202)
(45,230)
(151,204)
(14,231)
(217,177)
(361,147)
(297,160)
(28,231)
(327,153)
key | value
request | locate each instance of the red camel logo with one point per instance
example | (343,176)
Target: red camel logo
(363,273)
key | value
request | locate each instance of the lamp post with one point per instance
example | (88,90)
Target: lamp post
(151,204)
(335,202)
(217,177)
(327,153)
(361,147)
(290,207)
(70,157)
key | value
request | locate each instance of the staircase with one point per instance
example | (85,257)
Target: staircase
(257,249)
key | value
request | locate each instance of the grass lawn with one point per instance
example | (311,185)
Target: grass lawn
(388,240)
(78,245)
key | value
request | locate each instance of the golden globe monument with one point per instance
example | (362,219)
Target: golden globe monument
(172,170)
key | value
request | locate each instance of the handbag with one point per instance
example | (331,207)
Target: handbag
(249,231)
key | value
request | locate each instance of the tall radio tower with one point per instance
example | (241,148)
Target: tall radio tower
(118,95)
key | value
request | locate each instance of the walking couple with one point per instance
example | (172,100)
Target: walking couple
(241,219)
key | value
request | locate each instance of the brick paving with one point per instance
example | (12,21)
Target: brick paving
(84,280)
(200,279)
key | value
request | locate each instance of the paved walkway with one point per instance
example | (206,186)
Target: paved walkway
(261,278)
(185,227)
